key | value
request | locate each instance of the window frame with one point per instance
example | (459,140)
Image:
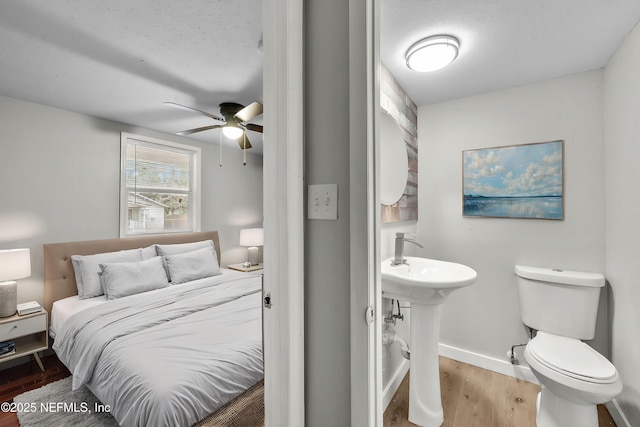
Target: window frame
(195,178)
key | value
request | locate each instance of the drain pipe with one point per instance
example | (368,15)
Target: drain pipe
(389,336)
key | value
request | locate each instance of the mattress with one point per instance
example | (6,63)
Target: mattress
(168,357)
(67,307)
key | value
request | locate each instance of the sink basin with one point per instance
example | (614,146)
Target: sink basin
(424,280)
(425,283)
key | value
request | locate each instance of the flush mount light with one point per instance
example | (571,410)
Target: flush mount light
(432,53)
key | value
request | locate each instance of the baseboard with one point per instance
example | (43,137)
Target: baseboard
(486,362)
(496,365)
(616,413)
(394,383)
(469,357)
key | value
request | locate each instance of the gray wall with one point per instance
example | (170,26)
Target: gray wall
(622,133)
(327,285)
(60,174)
(485,317)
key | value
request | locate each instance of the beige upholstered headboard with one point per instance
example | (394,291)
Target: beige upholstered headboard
(59,277)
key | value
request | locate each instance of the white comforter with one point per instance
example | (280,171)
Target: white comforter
(168,357)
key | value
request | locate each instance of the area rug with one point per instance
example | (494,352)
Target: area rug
(55,405)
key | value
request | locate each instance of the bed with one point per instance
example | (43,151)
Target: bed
(161,354)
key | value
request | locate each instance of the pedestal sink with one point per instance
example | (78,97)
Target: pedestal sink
(425,283)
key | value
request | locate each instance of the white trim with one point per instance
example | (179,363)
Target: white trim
(617,414)
(283,201)
(364,217)
(487,362)
(515,371)
(496,365)
(394,383)
(196,214)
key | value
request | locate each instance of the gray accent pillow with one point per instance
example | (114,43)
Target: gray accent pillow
(127,278)
(192,265)
(87,269)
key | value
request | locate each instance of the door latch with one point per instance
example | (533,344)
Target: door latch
(267,299)
(369,315)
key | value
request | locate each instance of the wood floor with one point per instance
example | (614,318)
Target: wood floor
(471,396)
(19,379)
(475,397)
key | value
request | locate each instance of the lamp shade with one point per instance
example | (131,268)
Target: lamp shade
(14,264)
(252,237)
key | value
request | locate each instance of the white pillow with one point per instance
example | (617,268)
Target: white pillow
(149,252)
(181,248)
(127,278)
(87,269)
(192,265)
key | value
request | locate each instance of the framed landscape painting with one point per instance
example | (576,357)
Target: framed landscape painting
(517,181)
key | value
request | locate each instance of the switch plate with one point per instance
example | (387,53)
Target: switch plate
(323,202)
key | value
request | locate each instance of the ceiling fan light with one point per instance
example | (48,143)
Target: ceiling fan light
(232,131)
(432,53)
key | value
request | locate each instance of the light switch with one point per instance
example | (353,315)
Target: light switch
(323,202)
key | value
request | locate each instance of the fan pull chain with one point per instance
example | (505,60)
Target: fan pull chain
(244,149)
(220,144)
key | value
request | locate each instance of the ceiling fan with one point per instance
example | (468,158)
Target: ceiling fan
(233,115)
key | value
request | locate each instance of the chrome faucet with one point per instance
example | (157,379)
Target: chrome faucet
(401,238)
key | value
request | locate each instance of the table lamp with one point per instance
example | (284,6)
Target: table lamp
(14,264)
(252,237)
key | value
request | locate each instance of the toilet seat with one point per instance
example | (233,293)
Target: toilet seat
(572,357)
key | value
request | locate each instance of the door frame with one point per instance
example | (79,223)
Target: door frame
(283,204)
(365,213)
(283,201)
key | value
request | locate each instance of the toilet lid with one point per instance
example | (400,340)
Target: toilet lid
(571,357)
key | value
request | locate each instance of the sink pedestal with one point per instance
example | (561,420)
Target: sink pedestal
(426,284)
(425,404)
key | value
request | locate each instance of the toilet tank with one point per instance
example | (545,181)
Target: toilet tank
(561,302)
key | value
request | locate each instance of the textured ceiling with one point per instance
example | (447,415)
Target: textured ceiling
(121,59)
(503,43)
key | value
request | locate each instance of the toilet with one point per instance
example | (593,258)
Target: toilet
(562,307)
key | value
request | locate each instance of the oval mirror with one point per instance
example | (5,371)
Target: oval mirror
(394,162)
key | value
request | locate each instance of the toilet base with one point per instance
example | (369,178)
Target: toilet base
(555,411)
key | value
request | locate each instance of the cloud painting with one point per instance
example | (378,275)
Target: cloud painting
(520,181)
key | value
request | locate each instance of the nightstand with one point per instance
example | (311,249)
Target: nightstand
(29,332)
(239,267)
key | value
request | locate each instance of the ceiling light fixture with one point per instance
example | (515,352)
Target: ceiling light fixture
(232,131)
(432,53)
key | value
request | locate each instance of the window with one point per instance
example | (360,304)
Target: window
(159,186)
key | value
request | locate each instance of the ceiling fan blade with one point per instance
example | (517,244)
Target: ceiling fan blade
(183,107)
(241,141)
(190,131)
(253,127)
(249,112)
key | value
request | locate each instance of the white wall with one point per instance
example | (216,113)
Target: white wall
(622,133)
(396,102)
(485,318)
(60,174)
